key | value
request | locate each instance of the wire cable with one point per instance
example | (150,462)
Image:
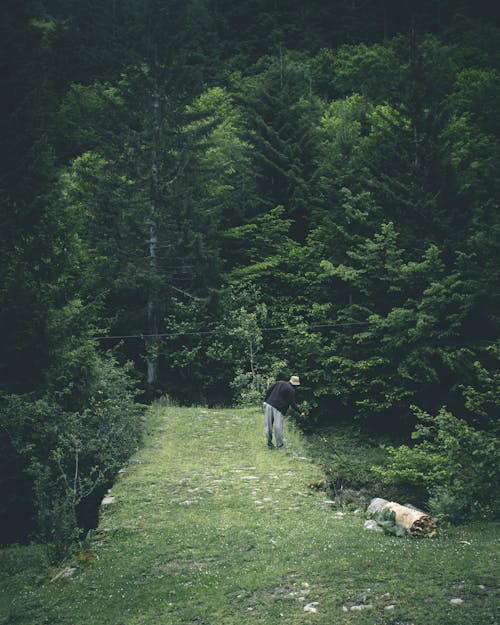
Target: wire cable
(208,332)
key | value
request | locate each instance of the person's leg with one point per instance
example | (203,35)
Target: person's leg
(278,427)
(268,412)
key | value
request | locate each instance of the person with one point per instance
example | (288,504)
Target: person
(279,397)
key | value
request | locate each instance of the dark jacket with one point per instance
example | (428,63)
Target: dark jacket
(281,395)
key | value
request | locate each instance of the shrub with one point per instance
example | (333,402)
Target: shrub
(53,460)
(250,387)
(456,463)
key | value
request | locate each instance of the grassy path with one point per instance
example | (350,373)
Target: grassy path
(209,527)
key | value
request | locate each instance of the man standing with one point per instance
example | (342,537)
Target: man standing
(278,398)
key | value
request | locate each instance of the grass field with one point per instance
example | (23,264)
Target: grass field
(209,527)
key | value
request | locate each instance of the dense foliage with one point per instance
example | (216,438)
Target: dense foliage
(453,463)
(56,463)
(227,192)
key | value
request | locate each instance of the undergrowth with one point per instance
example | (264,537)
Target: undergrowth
(348,457)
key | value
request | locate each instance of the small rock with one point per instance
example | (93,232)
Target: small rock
(389,607)
(67,572)
(310,607)
(375,505)
(372,525)
(364,606)
(107,501)
(456,601)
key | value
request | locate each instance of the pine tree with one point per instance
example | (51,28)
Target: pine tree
(281,111)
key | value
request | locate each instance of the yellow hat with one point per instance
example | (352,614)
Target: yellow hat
(295,380)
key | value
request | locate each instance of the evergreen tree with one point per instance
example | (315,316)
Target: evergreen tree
(281,112)
(34,252)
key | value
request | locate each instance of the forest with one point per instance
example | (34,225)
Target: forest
(198,197)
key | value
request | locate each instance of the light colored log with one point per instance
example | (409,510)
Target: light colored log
(407,516)
(415,521)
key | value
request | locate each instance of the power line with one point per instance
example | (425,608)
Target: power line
(208,332)
(160,335)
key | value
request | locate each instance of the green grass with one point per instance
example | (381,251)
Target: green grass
(209,527)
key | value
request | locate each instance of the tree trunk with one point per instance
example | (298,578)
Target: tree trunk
(153,303)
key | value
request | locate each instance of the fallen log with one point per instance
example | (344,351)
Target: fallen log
(414,521)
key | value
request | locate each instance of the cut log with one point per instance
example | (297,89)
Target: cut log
(416,522)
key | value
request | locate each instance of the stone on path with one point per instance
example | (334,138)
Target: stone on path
(67,572)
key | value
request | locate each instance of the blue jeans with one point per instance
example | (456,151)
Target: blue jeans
(273,418)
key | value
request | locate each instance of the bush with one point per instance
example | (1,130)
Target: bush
(456,463)
(250,387)
(53,460)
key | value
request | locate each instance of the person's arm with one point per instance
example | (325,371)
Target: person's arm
(293,403)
